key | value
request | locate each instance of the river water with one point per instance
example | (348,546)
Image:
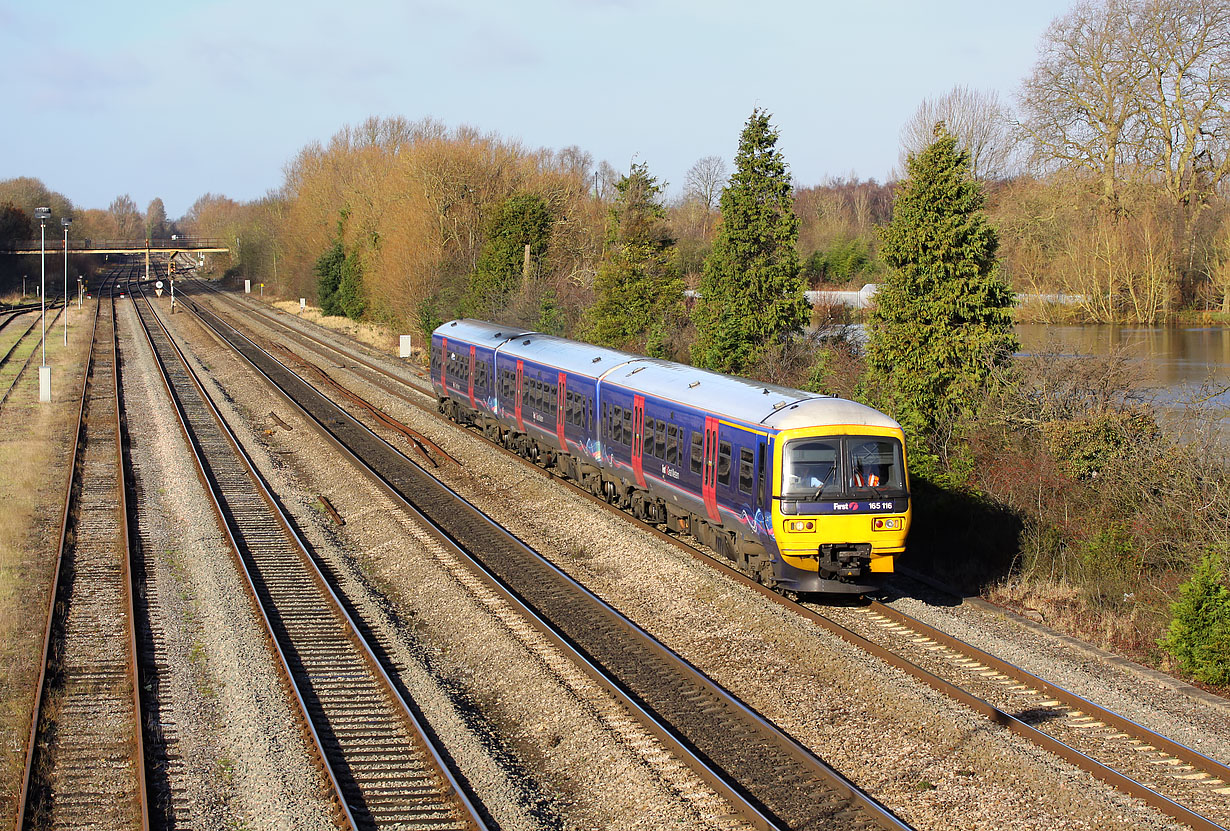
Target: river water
(1177,366)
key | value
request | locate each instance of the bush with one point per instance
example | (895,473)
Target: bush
(1199,636)
(840,263)
(1089,443)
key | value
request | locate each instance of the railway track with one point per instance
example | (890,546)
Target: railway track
(771,779)
(15,360)
(84,760)
(383,769)
(1167,775)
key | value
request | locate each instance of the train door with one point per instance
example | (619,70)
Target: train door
(559,411)
(638,439)
(518,394)
(444,365)
(710,470)
(762,504)
(472,368)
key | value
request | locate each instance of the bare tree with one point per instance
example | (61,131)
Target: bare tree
(705,180)
(1080,101)
(156,219)
(1182,48)
(978,120)
(1139,89)
(126,216)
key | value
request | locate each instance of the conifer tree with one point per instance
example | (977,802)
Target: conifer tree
(751,290)
(520,220)
(1199,634)
(638,287)
(943,316)
(329,276)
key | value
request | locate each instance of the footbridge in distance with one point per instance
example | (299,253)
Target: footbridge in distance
(157,248)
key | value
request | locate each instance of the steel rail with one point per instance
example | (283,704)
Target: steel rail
(127,533)
(737,793)
(1096,768)
(119,510)
(471,817)
(55,589)
(283,664)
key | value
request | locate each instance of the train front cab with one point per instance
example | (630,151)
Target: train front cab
(841,507)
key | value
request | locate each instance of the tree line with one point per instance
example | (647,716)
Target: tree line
(1107,181)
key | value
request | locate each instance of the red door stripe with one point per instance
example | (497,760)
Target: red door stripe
(559,411)
(709,474)
(520,381)
(638,439)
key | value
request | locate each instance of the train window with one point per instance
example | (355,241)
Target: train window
(617,425)
(672,444)
(628,427)
(659,439)
(698,453)
(760,473)
(570,410)
(811,468)
(746,469)
(724,463)
(875,464)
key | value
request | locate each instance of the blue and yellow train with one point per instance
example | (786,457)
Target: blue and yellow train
(805,493)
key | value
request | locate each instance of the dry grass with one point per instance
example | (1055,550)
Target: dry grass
(375,336)
(34,446)
(1131,628)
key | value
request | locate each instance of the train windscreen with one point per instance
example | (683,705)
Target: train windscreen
(831,466)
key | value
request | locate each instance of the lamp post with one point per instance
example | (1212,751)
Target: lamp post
(44,371)
(65,221)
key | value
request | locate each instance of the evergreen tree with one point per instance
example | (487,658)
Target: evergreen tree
(1199,635)
(328,272)
(751,290)
(638,287)
(520,220)
(943,316)
(349,295)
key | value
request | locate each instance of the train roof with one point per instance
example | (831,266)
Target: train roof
(569,355)
(479,332)
(743,399)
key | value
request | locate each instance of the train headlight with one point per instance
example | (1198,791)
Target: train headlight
(801,525)
(894,523)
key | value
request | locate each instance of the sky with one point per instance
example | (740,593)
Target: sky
(176,100)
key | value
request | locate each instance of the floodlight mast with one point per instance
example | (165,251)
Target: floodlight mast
(65,221)
(42,215)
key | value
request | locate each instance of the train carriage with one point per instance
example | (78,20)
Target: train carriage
(806,493)
(463,367)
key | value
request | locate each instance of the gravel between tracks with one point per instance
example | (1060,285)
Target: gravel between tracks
(542,745)
(237,758)
(935,763)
